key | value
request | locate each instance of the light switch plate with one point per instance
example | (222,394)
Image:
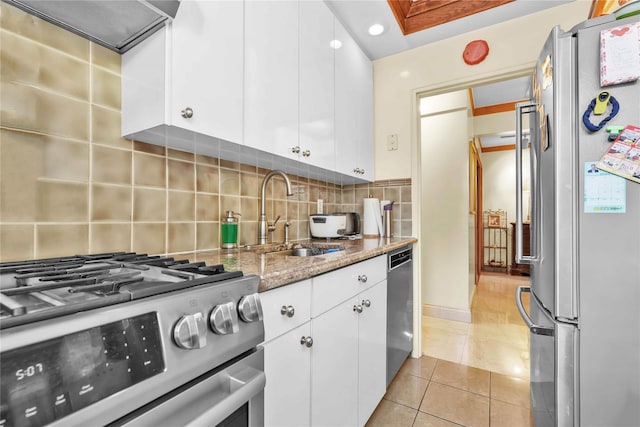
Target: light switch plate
(392,142)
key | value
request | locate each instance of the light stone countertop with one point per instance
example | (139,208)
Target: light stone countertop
(276,269)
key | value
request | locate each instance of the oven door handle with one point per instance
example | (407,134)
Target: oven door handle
(243,386)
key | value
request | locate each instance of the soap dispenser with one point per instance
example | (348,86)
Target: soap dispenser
(229,231)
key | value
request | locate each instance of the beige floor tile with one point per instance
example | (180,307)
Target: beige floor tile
(445,325)
(456,405)
(421,367)
(507,415)
(391,414)
(407,390)
(461,376)
(510,389)
(443,345)
(426,420)
(497,356)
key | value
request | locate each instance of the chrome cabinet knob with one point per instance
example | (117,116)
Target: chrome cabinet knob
(366,303)
(362,278)
(306,153)
(190,332)
(357,308)
(224,319)
(287,310)
(362,171)
(187,113)
(250,309)
(295,150)
(356,170)
(306,341)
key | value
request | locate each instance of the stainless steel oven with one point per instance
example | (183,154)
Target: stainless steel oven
(127,340)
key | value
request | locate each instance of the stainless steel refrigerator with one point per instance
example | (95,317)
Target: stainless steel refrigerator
(584,314)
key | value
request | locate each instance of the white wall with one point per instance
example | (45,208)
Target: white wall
(499,185)
(514,47)
(444,202)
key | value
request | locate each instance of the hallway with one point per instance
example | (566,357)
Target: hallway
(473,374)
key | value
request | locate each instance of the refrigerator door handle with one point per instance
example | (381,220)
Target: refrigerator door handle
(538,330)
(521,108)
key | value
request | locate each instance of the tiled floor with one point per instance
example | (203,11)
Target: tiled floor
(470,374)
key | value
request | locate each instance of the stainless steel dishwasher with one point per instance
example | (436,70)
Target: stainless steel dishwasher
(399,309)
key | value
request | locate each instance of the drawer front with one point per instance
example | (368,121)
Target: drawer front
(296,300)
(330,289)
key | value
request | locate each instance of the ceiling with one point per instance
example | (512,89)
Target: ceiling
(441,19)
(358,15)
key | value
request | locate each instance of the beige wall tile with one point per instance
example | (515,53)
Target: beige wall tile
(105,127)
(149,148)
(110,203)
(207,235)
(181,175)
(111,166)
(110,237)
(105,88)
(229,164)
(229,203)
(16,242)
(229,182)
(405,210)
(181,155)
(250,184)
(149,170)
(65,159)
(181,237)
(29,108)
(149,204)
(105,58)
(405,194)
(207,179)
(19,22)
(250,208)
(61,240)
(292,210)
(392,193)
(62,202)
(181,206)
(149,238)
(207,160)
(208,208)
(248,233)
(21,165)
(376,193)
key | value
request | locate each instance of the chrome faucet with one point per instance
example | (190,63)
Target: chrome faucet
(262,221)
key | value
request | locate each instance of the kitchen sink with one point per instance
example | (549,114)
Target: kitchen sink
(306,251)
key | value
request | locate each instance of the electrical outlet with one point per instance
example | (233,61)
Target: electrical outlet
(392,142)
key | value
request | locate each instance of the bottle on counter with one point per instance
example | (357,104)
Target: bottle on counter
(229,230)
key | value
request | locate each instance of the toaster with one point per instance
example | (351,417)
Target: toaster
(334,225)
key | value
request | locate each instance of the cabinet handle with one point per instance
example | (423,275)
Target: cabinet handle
(356,170)
(306,153)
(362,278)
(295,150)
(187,113)
(288,311)
(357,308)
(306,341)
(366,303)
(362,171)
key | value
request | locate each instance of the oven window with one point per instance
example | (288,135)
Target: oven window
(240,418)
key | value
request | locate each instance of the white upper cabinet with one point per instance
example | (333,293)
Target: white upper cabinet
(271,76)
(316,144)
(353,108)
(188,76)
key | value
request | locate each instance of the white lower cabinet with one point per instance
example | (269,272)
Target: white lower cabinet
(287,396)
(326,364)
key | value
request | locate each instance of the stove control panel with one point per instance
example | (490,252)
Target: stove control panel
(190,332)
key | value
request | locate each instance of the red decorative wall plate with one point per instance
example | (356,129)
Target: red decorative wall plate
(475,52)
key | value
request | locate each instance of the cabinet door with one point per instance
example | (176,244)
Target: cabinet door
(271,76)
(316,85)
(353,107)
(287,366)
(372,351)
(206,68)
(295,299)
(334,382)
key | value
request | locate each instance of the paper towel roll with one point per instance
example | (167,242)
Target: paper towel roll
(372,221)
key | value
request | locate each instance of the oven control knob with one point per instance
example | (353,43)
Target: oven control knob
(190,332)
(250,308)
(224,319)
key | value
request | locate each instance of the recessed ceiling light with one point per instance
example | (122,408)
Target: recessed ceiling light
(376,29)
(335,44)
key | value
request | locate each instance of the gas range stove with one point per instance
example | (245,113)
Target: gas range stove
(42,289)
(92,339)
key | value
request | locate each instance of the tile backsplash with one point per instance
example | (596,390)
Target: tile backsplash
(70,184)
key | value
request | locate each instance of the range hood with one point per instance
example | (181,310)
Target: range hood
(116,24)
